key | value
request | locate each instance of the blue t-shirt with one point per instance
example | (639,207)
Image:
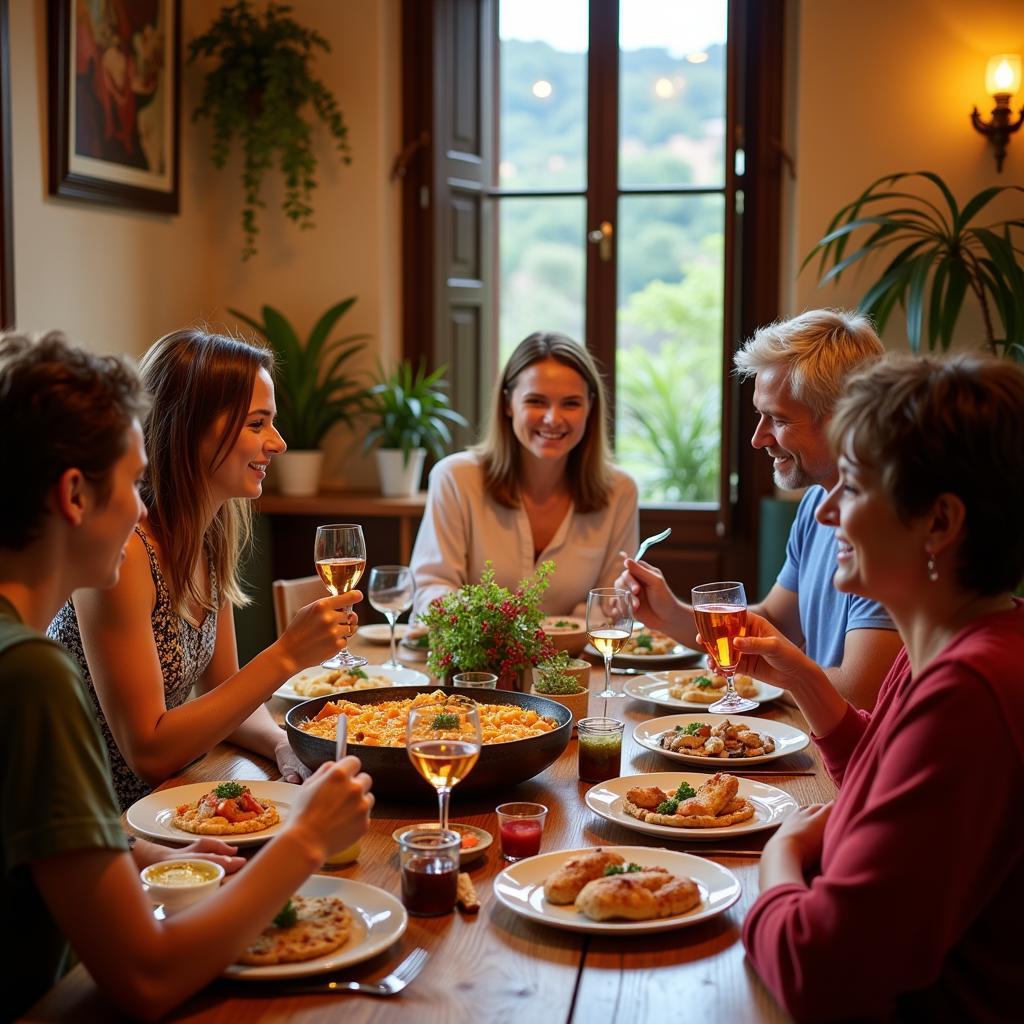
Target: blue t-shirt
(826,615)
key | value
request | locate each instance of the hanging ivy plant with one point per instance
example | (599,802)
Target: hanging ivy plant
(259,90)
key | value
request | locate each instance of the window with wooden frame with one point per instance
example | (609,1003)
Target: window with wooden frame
(611,170)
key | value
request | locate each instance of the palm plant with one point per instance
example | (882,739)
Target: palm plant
(412,411)
(313,391)
(942,256)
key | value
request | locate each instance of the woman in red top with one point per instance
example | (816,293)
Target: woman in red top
(904,897)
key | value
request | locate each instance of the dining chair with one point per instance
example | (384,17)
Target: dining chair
(291,595)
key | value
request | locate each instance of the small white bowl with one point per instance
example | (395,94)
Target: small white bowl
(177,884)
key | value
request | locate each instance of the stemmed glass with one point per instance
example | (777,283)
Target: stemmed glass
(609,625)
(391,592)
(340,555)
(443,742)
(720,611)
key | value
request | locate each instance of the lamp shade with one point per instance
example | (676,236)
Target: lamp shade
(1002,75)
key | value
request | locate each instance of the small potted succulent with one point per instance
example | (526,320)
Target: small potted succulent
(566,680)
(412,415)
(483,626)
(313,390)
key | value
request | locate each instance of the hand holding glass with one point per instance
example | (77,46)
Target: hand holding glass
(443,742)
(340,555)
(609,626)
(391,592)
(720,611)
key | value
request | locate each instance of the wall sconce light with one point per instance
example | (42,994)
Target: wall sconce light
(1002,80)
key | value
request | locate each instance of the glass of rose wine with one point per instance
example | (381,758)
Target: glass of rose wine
(340,555)
(720,611)
(443,742)
(391,592)
(609,626)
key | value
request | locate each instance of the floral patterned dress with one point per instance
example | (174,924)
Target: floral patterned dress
(184,649)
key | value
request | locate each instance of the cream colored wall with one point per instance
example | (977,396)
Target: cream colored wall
(117,279)
(884,86)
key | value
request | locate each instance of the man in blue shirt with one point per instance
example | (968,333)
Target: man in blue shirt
(798,367)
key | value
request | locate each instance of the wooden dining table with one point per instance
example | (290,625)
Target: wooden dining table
(496,965)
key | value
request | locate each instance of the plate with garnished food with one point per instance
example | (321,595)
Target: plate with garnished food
(660,805)
(715,739)
(695,688)
(318,681)
(599,889)
(242,812)
(341,921)
(649,647)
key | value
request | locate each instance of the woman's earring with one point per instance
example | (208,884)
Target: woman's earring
(933,573)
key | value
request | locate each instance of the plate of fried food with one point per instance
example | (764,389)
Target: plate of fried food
(695,688)
(690,806)
(649,647)
(318,681)
(242,813)
(613,890)
(711,739)
(330,923)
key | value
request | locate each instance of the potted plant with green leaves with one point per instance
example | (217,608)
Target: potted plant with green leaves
(412,415)
(941,255)
(259,89)
(566,680)
(313,392)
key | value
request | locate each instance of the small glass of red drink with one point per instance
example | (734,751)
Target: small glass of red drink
(520,826)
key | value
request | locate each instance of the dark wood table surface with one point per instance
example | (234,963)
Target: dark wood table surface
(496,966)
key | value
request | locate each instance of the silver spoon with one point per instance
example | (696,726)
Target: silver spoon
(650,542)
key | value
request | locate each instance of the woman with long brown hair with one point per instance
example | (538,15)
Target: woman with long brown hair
(541,485)
(168,625)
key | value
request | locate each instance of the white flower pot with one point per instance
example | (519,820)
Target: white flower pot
(298,472)
(399,479)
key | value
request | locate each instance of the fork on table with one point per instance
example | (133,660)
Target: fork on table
(397,980)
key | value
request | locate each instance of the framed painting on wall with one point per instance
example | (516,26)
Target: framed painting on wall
(114,98)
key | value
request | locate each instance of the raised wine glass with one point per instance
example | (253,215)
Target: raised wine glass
(443,742)
(720,611)
(391,591)
(340,555)
(609,626)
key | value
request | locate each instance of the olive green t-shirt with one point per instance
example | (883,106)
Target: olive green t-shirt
(55,796)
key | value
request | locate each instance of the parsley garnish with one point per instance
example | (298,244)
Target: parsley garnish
(563,624)
(286,916)
(644,640)
(703,682)
(229,790)
(618,869)
(446,721)
(668,806)
(689,730)
(685,791)
(358,673)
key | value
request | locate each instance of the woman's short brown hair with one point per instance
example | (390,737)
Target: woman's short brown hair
(194,377)
(589,467)
(60,407)
(946,426)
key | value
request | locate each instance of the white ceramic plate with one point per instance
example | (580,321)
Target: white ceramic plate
(520,887)
(771,806)
(397,677)
(465,856)
(655,687)
(788,739)
(380,632)
(152,815)
(672,657)
(378,920)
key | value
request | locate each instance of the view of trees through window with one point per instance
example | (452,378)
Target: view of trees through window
(669,227)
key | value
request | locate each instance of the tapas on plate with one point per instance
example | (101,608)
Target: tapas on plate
(714,740)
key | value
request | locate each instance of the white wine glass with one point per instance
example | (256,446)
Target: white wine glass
(443,742)
(391,591)
(720,611)
(609,626)
(340,556)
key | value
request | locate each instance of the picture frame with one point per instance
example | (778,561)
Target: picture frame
(114,100)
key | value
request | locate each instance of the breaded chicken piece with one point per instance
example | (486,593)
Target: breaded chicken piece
(640,896)
(712,796)
(648,798)
(564,885)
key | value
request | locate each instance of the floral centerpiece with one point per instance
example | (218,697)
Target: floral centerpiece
(485,626)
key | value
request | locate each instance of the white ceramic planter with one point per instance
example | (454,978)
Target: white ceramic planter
(399,479)
(298,472)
